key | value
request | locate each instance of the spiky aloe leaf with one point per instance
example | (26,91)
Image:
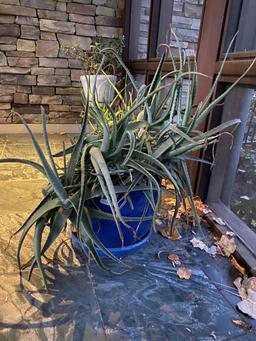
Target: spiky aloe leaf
(33,164)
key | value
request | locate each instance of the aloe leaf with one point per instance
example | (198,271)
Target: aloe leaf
(83,185)
(33,164)
(58,224)
(40,226)
(43,208)
(78,146)
(46,139)
(53,179)
(108,189)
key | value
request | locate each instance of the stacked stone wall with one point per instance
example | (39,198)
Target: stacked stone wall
(33,68)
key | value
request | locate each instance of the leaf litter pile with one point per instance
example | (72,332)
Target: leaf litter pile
(225,246)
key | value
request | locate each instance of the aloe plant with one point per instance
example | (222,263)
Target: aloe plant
(128,145)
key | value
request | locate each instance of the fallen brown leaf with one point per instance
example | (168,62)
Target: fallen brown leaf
(184,272)
(242,324)
(206,210)
(236,265)
(197,243)
(158,222)
(173,257)
(247,292)
(241,290)
(226,246)
(170,233)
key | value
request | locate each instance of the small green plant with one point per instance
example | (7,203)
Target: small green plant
(92,59)
(142,137)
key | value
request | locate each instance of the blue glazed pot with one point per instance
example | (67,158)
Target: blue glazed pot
(135,237)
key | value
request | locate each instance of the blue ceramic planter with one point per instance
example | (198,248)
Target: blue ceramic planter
(106,230)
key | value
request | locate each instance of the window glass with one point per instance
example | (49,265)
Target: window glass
(241,20)
(243,199)
(183,16)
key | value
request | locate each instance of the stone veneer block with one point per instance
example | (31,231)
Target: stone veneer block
(13,79)
(47,48)
(53,62)
(81,9)
(9,30)
(3,59)
(20,54)
(48,36)
(8,40)
(10,2)
(20,98)
(42,71)
(82,19)
(4,47)
(61,6)
(23,88)
(7,19)
(5,106)
(192,11)
(29,32)
(14,70)
(109,32)
(43,90)
(54,15)
(22,62)
(39,4)
(6,99)
(53,80)
(101,10)
(72,99)
(108,21)
(85,30)
(7,90)
(99,2)
(75,75)
(64,72)
(27,21)
(25,45)
(68,91)
(59,107)
(67,40)
(43,99)
(75,64)
(17,10)
(57,26)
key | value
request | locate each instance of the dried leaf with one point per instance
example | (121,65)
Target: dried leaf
(247,291)
(226,246)
(230,233)
(184,272)
(219,221)
(242,324)
(173,257)
(198,244)
(241,290)
(212,250)
(170,233)
(235,263)
(248,306)
(158,222)
(206,210)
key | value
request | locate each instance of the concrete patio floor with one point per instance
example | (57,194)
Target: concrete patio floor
(84,303)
